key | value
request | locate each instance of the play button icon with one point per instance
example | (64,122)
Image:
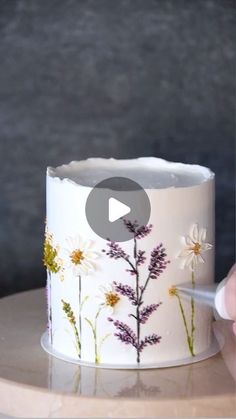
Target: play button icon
(117,210)
(113,202)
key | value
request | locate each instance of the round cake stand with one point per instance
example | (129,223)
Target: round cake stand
(34,384)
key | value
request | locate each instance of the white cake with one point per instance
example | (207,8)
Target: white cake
(117,303)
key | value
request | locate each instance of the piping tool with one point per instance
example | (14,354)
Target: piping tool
(211,295)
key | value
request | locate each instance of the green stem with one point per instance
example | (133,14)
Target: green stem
(80,321)
(97,358)
(77,340)
(94,331)
(189,340)
(50,306)
(192,309)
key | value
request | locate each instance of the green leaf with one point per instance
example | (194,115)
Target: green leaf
(89,322)
(103,339)
(84,301)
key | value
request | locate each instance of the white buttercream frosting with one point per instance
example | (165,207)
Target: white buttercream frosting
(149,172)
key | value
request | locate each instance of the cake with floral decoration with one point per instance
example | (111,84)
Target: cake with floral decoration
(117,303)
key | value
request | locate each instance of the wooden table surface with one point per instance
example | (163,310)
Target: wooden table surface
(34,384)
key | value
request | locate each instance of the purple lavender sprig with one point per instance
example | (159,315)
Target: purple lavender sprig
(127,291)
(132,271)
(143,231)
(146,312)
(131,226)
(149,340)
(139,232)
(158,262)
(125,333)
(115,251)
(141,257)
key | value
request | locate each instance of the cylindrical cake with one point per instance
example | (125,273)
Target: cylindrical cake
(117,303)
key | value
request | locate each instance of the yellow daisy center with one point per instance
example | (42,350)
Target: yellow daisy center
(111,299)
(77,256)
(196,248)
(172,291)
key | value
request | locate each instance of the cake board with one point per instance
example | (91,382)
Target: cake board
(35,384)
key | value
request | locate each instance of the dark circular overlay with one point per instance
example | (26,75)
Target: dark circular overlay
(128,193)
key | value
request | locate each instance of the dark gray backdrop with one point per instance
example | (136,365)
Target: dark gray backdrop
(109,78)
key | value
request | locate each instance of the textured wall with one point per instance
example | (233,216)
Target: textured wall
(109,78)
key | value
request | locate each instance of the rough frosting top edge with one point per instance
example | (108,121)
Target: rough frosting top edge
(154,162)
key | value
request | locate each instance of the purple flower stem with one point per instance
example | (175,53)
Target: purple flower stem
(138,299)
(139,295)
(133,315)
(157,265)
(144,288)
(134,268)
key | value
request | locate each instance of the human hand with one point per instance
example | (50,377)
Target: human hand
(230,295)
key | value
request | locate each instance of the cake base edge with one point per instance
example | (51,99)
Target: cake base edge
(214,348)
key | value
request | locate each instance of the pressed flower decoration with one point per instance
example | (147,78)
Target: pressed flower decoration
(54,265)
(108,300)
(194,247)
(157,264)
(191,256)
(66,307)
(50,254)
(80,259)
(80,256)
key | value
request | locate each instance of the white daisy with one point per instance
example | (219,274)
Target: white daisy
(80,255)
(194,246)
(108,298)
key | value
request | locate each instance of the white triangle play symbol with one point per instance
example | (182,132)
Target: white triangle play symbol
(116,209)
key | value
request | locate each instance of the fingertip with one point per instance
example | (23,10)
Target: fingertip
(234,328)
(232,271)
(230,295)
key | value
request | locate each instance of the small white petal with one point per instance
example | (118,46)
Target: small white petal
(90,255)
(89,245)
(109,288)
(102,289)
(71,243)
(100,299)
(183,240)
(202,235)
(194,233)
(189,241)
(87,263)
(190,259)
(206,246)
(83,245)
(183,263)
(201,259)
(185,252)
(110,310)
